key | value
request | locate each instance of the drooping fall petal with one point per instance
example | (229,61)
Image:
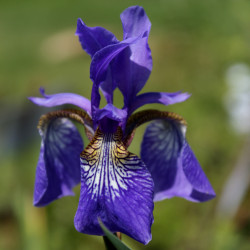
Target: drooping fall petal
(58,168)
(115,187)
(172,164)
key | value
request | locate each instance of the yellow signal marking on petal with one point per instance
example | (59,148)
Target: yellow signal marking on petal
(92,149)
(107,166)
(152,114)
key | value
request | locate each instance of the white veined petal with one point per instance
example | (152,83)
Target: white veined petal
(107,167)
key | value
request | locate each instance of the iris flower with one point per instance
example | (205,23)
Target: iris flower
(117,187)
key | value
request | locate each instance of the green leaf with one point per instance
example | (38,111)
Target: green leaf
(113,242)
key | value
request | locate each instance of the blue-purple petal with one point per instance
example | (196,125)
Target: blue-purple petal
(113,113)
(127,64)
(100,67)
(132,69)
(102,59)
(115,187)
(202,189)
(109,117)
(133,66)
(108,86)
(93,39)
(61,99)
(172,164)
(160,149)
(58,168)
(157,97)
(135,22)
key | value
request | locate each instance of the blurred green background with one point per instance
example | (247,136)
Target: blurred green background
(193,43)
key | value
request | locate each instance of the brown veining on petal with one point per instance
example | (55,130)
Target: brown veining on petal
(74,114)
(144,116)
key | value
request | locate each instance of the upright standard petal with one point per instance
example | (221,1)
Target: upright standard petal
(58,168)
(61,99)
(132,68)
(172,164)
(99,69)
(115,187)
(93,39)
(135,22)
(158,97)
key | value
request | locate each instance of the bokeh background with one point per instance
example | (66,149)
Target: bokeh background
(194,45)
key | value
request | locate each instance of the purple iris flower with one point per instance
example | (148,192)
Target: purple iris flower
(117,186)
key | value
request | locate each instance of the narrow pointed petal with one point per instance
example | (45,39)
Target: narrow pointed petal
(172,164)
(116,187)
(158,97)
(93,39)
(58,168)
(135,22)
(61,99)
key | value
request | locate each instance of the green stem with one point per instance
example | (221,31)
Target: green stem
(108,244)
